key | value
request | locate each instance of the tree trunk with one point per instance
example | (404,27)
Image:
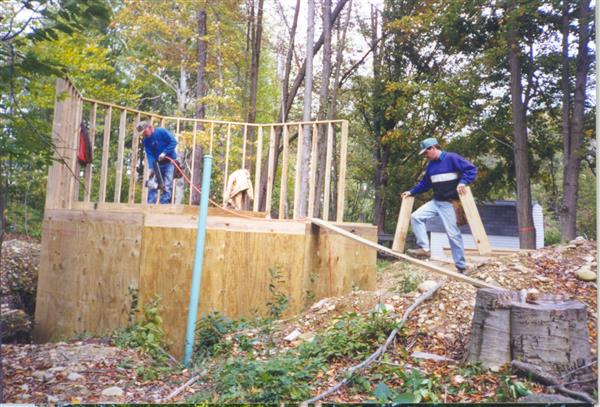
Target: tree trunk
(306,147)
(490,329)
(543,330)
(382,150)
(573,134)
(200,104)
(519,122)
(323,107)
(255,36)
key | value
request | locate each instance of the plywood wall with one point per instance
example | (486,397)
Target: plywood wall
(90,259)
(88,262)
(236,277)
(336,265)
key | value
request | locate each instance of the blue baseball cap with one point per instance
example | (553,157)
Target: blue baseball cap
(428,142)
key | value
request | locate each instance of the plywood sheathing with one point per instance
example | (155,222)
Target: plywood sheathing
(89,260)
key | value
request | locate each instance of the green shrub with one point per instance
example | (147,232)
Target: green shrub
(147,336)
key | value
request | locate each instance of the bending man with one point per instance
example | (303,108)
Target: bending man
(448,174)
(160,145)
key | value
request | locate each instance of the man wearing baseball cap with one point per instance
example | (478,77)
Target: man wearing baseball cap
(447,173)
(160,145)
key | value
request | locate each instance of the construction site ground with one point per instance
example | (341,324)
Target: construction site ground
(93,370)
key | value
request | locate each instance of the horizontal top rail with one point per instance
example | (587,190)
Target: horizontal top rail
(191,119)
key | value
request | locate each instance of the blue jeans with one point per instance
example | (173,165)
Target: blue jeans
(445,211)
(167,170)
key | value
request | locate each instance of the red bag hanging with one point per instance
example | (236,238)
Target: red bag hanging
(84,153)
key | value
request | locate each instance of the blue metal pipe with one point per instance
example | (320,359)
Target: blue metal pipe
(198,261)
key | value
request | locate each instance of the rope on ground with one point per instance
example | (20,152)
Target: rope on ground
(380,351)
(178,390)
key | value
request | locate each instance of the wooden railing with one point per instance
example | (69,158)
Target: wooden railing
(116,162)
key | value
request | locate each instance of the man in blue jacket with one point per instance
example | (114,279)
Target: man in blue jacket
(448,174)
(160,145)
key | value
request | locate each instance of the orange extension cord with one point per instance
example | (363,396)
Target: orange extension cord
(210,200)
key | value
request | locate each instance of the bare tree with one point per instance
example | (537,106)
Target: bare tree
(323,105)
(200,104)
(573,117)
(256,36)
(306,116)
(519,123)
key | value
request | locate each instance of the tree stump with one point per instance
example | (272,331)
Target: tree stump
(544,330)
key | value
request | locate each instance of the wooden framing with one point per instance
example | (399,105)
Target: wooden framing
(270,171)
(299,148)
(284,174)
(328,157)
(90,168)
(440,270)
(477,229)
(105,152)
(314,160)
(403,224)
(257,170)
(342,173)
(135,148)
(120,155)
(68,113)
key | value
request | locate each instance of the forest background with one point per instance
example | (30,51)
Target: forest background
(508,84)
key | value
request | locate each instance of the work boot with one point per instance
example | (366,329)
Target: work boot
(419,253)
(463,270)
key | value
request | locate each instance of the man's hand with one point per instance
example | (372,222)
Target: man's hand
(161,157)
(461,189)
(405,194)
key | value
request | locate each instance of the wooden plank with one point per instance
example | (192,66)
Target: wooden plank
(212,136)
(244,145)
(105,152)
(270,171)
(135,148)
(284,173)
(120,155)
(90,167)
(75,179)
(477,229)
(314,162)
(146,170)
(440,270)
(403,224)
(328,158)
(299,143)
(226,172)
(67,149)
(53,191)
(195,132)
(342,173)
(257,170)
(174,190)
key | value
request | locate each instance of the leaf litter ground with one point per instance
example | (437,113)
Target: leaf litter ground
(92,370)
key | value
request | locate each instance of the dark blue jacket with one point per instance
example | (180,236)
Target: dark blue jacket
(444,175)
(161,141)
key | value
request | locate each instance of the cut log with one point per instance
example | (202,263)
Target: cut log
(546,331)
(551,335)
(490,330)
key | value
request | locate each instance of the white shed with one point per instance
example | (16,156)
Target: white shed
(500,223)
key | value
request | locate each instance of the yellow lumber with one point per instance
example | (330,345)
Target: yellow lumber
(479,235)
(437,269)
(403,223)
